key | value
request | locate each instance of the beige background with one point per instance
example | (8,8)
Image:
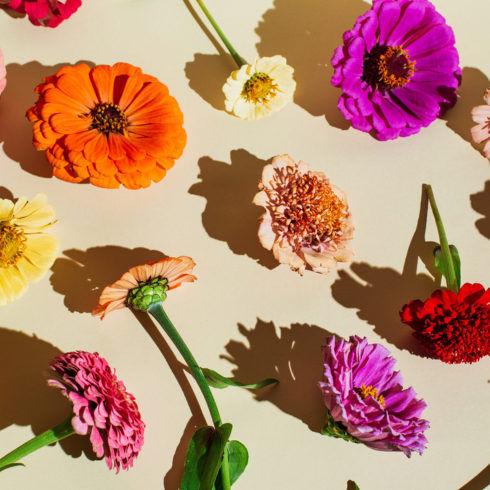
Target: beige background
(245,316)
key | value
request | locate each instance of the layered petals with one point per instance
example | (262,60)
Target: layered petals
(112,125)
(306,221)
(365,397)
(101,405)
(398,68)
(47,13)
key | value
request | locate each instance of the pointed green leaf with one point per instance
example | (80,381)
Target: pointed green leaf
(355,486)
(11,465)
(215,380)
(215,455)
(237,462)
(195,459)
(456,262)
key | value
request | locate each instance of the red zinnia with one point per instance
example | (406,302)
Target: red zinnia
(454,328)
(47,13)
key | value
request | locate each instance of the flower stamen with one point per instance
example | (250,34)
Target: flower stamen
(366,391)
(109,118)
(260,88)
(12,245)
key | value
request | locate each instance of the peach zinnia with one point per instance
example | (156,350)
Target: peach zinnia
(307,220)
(110,124)
(145,285)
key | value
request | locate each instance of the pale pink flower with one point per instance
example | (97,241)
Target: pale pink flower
(3,73)
(481,131)
(160,277)
(307,220)
(102,406)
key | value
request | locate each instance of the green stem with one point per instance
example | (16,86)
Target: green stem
(447,259)
(225,472)
(55,434)
(157,311)
(231,49)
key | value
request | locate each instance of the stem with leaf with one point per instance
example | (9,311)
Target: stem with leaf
(230,48)
(449,269)
(51,436)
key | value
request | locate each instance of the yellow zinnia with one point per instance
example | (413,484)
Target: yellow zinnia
(26,253)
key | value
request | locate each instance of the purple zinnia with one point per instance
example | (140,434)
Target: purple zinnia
(398,68)
(365,398)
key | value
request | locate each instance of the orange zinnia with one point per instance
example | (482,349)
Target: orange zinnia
(110,124)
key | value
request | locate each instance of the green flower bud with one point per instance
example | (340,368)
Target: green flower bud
(148,293)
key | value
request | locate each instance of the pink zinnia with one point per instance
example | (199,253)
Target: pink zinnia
(481,131)
(3,73)
(47,13)
(101,405)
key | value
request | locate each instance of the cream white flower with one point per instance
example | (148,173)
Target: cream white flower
(26,253)
(257,90)
(307,220)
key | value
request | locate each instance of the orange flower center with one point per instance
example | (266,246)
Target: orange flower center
(109,118)
(305,208)
(12,245)
(366,391)
(260,88)
(387,67)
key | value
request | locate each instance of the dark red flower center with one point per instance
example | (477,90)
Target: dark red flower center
(386,68)
(109,118)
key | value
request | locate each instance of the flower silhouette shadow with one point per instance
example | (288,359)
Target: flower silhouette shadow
(470,94)
(381,292)
(208,72)
(293,357)
(11,12)
(306,33)
(173,477)
(479,482)
(229,215)
(28,400)
(81,276)
(15,128)
(6,194)
(480,202)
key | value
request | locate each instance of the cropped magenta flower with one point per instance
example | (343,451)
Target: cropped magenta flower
(452,327)
(47,13)
(398,68)
(365,397)
(101,405)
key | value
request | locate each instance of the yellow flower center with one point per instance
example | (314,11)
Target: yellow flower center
(366,391)
(260,88)
(12,245)
(387,67)
(109,118)
(305,208)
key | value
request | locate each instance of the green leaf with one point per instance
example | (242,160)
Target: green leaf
(336,429)
(196,458)
(237,462)
(456,262)
(217,447)
(355,486)
(215,380)
(11,465)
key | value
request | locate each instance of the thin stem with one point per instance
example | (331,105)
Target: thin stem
(225,472)
(231,49)
(55,434)
(447,259)
(157,311)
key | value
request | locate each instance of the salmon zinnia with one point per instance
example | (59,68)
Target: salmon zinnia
(110,124)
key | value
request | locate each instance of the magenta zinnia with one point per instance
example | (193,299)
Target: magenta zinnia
(365,398)
(101,405)
(47,13)
(306,220)
(398,68)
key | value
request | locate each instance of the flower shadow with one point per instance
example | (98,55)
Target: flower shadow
(229,215)
(15,128)
(306,33)
(82,275)
(208,72)
(479,482)
(480,202)
(6,194)
(174,475)
(28,400)
(381,292)
(11,12)
(293,357)
(470,94)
